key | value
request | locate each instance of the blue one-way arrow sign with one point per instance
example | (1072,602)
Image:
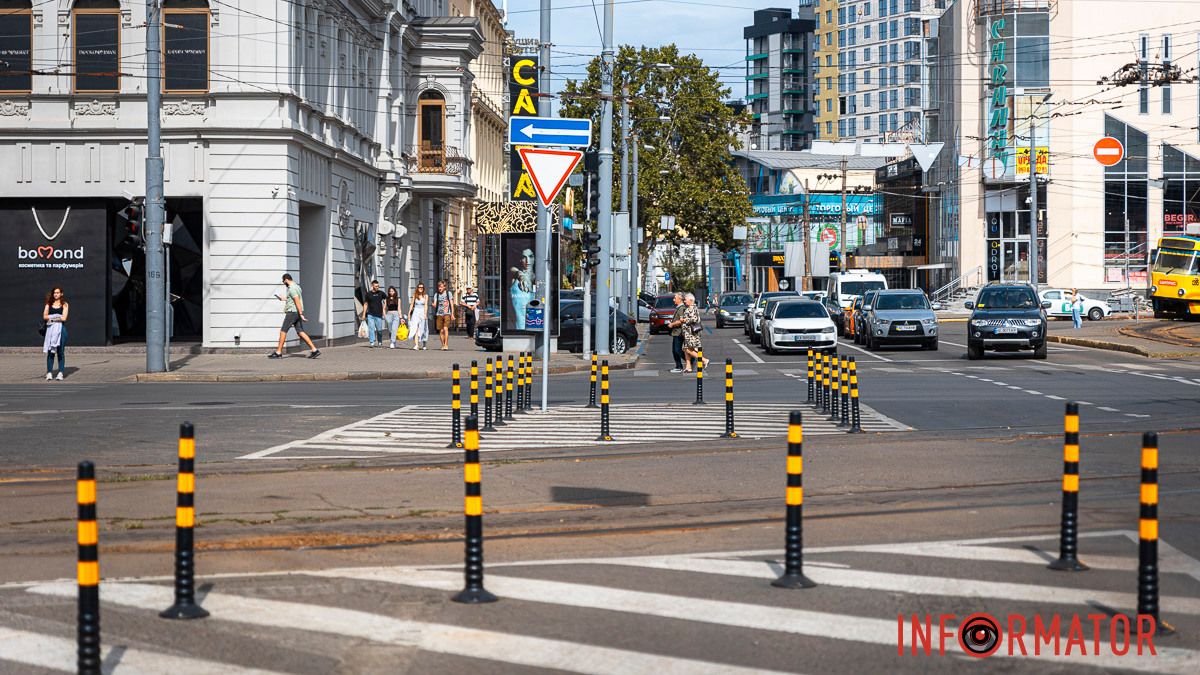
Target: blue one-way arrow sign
(566,132)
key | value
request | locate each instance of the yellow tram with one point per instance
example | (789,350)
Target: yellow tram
(1175,277)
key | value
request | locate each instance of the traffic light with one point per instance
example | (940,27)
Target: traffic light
(132,218)
(835,261)
(591,172)
(591,250)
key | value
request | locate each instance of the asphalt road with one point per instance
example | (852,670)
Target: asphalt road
(638,557)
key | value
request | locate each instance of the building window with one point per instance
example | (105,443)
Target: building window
(853,127)
(97,45)
(867,10)
(866,123)
(912,74)
(1181,194)
(829,128)
(432,131)
(841,128)
(866,55)
(185,46)
(1166,88)
(16,62)
(894,52)
(867,100)
(841,38)
(1125,206)
(912,50)
(866,77)
(867,32)
(912,97)
(894,29)
(1143,66)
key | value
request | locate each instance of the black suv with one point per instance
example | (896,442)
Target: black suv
(1006,317)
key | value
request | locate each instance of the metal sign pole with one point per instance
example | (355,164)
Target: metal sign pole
(544,222)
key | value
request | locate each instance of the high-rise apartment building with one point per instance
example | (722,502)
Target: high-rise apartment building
(779,53)
(825,67)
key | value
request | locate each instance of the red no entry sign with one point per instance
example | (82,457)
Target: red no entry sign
(1108,151)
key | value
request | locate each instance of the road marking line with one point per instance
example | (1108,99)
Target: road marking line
(747,350)
(1085,403)
(1107,409)
(280,448)
(54,653)
(1034,392)
(864,351)
(956,344)
(1136,415)
(432,637)
(1055,398)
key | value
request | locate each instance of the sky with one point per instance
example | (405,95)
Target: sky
(711,29)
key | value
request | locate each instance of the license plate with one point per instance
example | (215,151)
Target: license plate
(803,337)
(485,334)
(906,328)
(1006,330)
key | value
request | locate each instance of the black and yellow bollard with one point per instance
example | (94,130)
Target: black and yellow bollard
(87,572)
(455,408)
(498,394)
(729,432)
(834,376)
(529,382)
(810,379)
(699,378)
(1147,596)
(1068,540)
(508,389)
(185,606)
(473,591)
(855,421)
(487,396)
(824,382)
(793,569)
(605,429)
(519,406)
(844,372)
(592,384)
(475,389)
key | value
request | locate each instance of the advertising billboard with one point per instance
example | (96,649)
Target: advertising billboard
(523,88)
(519,309)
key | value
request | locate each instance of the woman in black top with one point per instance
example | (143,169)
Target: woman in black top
(392,314)
(55,315)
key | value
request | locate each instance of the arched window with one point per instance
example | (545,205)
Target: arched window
(16,46)
(431,117)
(185,46)
(96,43)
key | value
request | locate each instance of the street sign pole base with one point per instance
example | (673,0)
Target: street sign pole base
(474,596)
(1067,565)
(184,611)
(604,438)
(793,581)
(732,434)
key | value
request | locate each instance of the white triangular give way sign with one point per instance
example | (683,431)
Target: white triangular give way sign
(549,170)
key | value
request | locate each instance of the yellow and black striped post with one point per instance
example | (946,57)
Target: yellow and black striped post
(844,371)
(498,395)
(729,432)
(834,376)
(699,378)
(455,408)
(519,405)
(529,381)
(793,569)
(605,430)
(508,389)
(473,592)
(811,381)
(1147,596)
(592,387)
(474,388)
(855,420)
(824,382)
(87,571)
(1068,540)
(185,606)
(488,394)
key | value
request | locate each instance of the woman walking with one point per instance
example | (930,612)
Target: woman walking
(692,328)
(55,315)
(418,317)
(392,314)
(1076,308)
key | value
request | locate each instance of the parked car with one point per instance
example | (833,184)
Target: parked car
(900,317)
(1006,317)
(819,296)
(1060,305)
(643,311)
(860,318)
(853,314)
(797,324)
(661,312)
(570,335)
(731,308)
(752,325)
(487,334)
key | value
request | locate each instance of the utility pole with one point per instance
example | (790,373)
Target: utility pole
(845,261)
(605,221)
(807,283)
(587,279)
(544,241)
(155,206)
(624,166)
(634,255)
(1033,199)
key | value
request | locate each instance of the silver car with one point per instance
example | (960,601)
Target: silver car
(900,317)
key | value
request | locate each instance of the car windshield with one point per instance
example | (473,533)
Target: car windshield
(665,302)
(735,300)
(860,287)
(901,301)
(1006,298)
(1176,262)
(800,310)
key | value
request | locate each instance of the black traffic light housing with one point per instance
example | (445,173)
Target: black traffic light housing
(132,217)
(591,249)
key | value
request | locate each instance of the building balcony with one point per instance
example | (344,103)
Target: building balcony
(756,57)
(757,76)
(439,170)
(986,8)
(755,97)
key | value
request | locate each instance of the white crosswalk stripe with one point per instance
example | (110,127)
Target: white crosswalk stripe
(425,429)
(43,390)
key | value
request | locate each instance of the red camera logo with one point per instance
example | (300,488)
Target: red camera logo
(982,635)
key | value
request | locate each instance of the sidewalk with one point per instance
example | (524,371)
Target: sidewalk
(1151,338)
(349,362)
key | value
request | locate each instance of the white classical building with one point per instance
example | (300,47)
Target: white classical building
(325,138)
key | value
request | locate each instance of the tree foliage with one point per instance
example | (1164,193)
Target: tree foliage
(685,167)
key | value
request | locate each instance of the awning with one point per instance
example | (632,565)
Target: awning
(932,266)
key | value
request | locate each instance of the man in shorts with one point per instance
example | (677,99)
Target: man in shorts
(443,301)
(293,316)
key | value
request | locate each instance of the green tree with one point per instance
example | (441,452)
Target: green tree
(685,166)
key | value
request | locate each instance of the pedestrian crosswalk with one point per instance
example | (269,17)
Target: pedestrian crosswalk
(42,389)
(426,429)
(676,613)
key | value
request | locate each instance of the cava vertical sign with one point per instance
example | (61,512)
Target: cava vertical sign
(999,110)
(523,88)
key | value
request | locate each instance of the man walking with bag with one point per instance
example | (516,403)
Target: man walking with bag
(293,315)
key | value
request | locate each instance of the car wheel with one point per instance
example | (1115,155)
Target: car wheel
(754,338)
(1095,314)
(766,346)
(872,344)
(974,353)
(932,345)
(619,345)
(1039,352)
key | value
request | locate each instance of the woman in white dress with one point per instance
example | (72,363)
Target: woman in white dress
(418,317)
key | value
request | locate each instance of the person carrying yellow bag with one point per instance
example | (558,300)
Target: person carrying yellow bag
(394,318)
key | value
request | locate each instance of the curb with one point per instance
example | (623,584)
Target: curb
(1118,347)
(348,376)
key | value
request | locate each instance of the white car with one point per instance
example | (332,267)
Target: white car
(798,324)
(1060,305)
